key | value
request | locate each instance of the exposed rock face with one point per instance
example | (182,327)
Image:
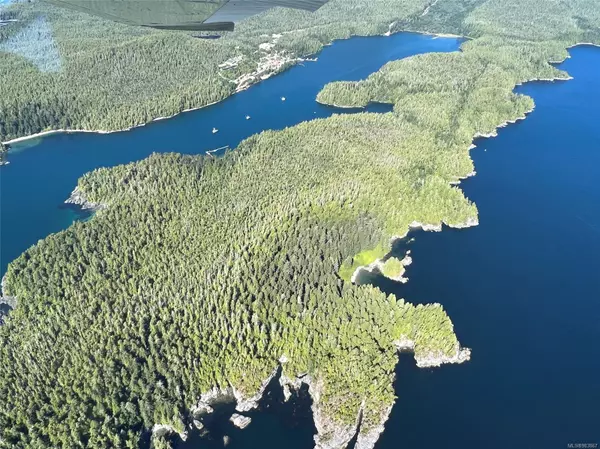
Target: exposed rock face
(3,153)
(468,175)
(437,359)
(198,424)
(4,288)
(204,406)
(431,359)
(367,440)
(201,409)
(78,198)
(405,344)
(243,404)
(407,259)
(377,267)
(240,421)
(287,384)
(472,221)
(378,264)
(160,430)
(426,227)
(330,435)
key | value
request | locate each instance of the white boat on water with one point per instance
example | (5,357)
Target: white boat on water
(247,117)
(215,130)
(282,98)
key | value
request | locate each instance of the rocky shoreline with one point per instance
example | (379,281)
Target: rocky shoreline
(433,359)
(78,198)
(377,265)
(332,435)
(204,407)
(3,152)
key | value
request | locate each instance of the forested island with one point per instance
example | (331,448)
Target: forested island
(199,277)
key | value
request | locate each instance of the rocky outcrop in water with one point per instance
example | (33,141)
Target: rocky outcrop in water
(331,434)
(240,421)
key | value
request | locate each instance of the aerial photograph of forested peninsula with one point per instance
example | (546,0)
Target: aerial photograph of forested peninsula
(331,224)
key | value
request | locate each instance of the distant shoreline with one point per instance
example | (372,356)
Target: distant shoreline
(103,131)
(75,131)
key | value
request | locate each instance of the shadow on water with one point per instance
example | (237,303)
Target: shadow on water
(275,424)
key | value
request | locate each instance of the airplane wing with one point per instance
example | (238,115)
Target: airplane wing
(193,15)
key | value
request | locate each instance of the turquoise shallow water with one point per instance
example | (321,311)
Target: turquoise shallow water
(522,288)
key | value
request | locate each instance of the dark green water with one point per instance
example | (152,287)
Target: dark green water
(523,288)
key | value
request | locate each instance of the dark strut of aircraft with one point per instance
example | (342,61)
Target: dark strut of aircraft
(192,15)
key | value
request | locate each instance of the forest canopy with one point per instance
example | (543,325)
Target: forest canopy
(203,272)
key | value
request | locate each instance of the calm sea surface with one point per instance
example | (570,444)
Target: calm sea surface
(523,288)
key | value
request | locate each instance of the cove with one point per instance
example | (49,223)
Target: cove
(275,424)
(42,172)
(522,288)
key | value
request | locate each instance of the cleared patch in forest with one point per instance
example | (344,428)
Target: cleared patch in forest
(35,43)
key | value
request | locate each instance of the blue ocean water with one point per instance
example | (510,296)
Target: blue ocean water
(42,173)
(522,288)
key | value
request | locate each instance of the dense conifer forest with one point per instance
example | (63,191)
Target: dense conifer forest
(199,272)
(108,76)
(203,272)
